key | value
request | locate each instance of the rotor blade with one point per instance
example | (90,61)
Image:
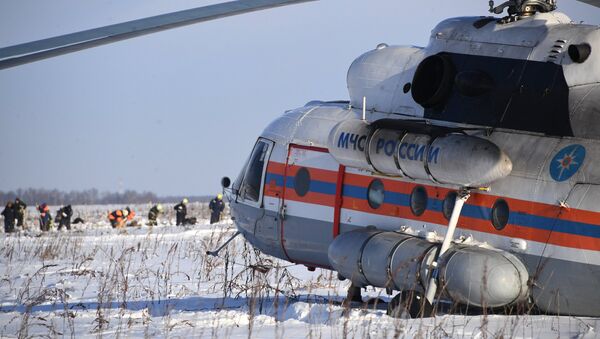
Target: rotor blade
(591,2)
(46,48)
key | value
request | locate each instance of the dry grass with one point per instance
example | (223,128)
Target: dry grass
(146,280)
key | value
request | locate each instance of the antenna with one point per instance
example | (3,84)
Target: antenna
(364,110)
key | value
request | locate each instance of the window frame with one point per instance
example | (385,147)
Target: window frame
(303,168)
(369,196)
(494,210)
(242,195)
(446,201)
(412,195)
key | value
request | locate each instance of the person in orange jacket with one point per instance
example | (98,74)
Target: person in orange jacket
(45,217)
(118,218)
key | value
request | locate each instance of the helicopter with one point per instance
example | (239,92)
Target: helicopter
(464,170)
(461,171)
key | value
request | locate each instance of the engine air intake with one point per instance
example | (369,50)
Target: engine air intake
(433,81)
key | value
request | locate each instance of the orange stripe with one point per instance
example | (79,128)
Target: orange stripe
(315,173)
(477,199)
(583,216)
(272,190)
(276,168)
(465,223)
(574,240)
(312,198)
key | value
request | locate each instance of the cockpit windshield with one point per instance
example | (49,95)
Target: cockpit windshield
(253,176)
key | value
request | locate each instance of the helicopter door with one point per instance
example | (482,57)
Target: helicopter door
(311,200)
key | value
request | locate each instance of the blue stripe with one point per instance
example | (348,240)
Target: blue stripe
(354,192)
(565,226)
(316,186)
(278,179)
(394,198)
(536,221)
(484,213)
(471,211)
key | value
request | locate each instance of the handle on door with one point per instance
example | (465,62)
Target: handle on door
(282,212)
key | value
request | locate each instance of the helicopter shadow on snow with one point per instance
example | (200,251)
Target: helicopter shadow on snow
(308,308)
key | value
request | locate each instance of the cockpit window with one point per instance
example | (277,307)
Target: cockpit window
(250,189)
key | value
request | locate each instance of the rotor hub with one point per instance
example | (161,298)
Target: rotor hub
(523,8)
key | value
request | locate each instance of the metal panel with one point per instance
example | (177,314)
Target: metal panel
(380,75)
(303,240)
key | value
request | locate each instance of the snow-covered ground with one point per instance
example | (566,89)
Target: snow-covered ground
(158,281)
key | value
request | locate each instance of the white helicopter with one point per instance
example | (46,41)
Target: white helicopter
(462,171)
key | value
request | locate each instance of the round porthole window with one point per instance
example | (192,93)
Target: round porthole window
(375,194)
(448,204)
(302,182)
(418,200)
(500,213)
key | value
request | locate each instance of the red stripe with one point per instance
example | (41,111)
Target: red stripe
(574,240)
(315,173)
(287,158)
(583,216)
(276,168)
(338,201)
(311,198)
(465,223)
(391,210)
(476,199)
(310,148)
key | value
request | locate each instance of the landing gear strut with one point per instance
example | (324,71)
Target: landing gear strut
(463,196)
(216,252)
(409,305)
(353,295)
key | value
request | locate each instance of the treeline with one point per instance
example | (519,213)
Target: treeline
(34,196)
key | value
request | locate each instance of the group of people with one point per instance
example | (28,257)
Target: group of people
(63,217)
(119,218)
(14,214)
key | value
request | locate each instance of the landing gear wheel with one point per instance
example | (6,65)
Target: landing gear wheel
(409,304)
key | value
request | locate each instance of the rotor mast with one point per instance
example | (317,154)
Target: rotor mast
(523,8)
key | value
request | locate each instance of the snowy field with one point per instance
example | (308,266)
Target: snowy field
(95,281)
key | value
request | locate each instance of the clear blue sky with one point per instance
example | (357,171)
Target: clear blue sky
(175,111)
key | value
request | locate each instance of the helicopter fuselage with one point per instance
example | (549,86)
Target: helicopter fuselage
(519,88)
